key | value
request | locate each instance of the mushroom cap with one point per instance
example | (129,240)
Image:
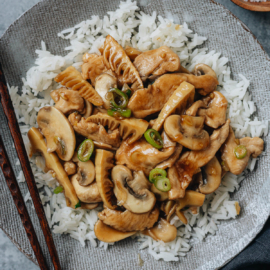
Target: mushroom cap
(58,132)
(103,84)
(162,231)
(213,176)
(108,234)
(187,130)
(132,191)
(53,163)
(88,194)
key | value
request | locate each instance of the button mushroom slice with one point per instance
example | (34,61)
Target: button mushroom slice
(92,67)
(53,163)
(94,131)
(72,78)
(162,231)
(181,173)
(58,132)
(67,101)
(88,109)
(127,221)
(86,194)
(168,208)
(192,198)
(70,167)
(188,131)
(160,195)
(105,146)
(132,53)
(197,180)
(131,129)
(213,176)
(254,147)
(142,156)
(86,171)
(193,109)
(89,206)
(104,83)
(116,59)
(181,98)
(132,192)
(108,234)
(157,62)
(215,113)
(104,164)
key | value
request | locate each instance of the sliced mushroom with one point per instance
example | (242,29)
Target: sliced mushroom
(215,113)
(178,101)
(188,131)
(162,231)
(58,132)
(88,194)
(127,221)
(107,234)
(104,83)
(132,192)
(213,176)
(67,101)
(160,195)
(254,147)
(86,171)
(132,53)
(192,198)
(105,146)
(53,163)
(89,206)
(168,208)
(70,167)
(88,109)
(193,109)
(181,173)
(104,163)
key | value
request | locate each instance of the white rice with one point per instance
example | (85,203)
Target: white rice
(153,32)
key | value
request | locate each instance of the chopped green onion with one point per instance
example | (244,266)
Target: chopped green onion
(117,113)
(162,184)
(128,93)
(78,205)
(85,150)
(58,190)
(155,173)
(119,99)
(240,151)
(154,138)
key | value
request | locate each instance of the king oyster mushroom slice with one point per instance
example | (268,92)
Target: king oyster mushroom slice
(213,176)
(104,83)
(59,134)
(162,231)
(86,171)
(187,130)
(108,234)
(53,163)
(88,194)
(132,192)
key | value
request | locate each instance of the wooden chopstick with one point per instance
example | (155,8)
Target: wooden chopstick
(23,157)
(19,202)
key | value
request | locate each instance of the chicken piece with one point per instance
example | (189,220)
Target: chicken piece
(127,221)
(215,113)
(92,67)
(181,173)
(254,147)
(94,131)
(142,156)
(132,53)
(70,167)
(157,62)
(67,101)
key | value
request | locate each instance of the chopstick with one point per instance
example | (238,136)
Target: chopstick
(19,202)
(23,157)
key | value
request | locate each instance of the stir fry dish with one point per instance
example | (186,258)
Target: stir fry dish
(141,135)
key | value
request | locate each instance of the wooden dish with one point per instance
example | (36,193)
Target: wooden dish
(253,6)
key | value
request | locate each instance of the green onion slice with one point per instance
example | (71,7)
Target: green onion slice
(162,184)
(85,150)
(155,173)
(78,205)
(120,99)
(58,190)
(128,93)
(240,151)
(117,113)
(154,138)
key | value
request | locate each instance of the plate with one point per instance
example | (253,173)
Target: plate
(225,34)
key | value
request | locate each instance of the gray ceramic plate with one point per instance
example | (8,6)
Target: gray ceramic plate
(227,35)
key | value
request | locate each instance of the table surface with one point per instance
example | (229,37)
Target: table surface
(259,23)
